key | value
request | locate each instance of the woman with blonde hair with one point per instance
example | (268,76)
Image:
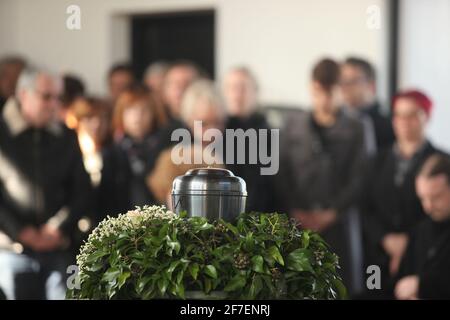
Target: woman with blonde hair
(201,102)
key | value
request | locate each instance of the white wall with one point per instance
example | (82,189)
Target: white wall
(279,39)
(425,59)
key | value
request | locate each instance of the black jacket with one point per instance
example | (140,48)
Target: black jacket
(384,134)
(428,256)
(140,161)
(389,207)
(260,188)
(41,175)
(321,168)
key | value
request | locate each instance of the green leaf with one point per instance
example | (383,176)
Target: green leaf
(111,275)
(341,290)
(231,227)
(255,287)
(142,283)
(205,226)
(123,278)
(275,253)
(305,239)
(237,282)
(211,271)
(180,290)
(162,285)
(180,276)
(172,266)
(183,214)
(257,264)
(174,246)
(193,270)
(299,260)
(207,285)
(249,242)
(95,256)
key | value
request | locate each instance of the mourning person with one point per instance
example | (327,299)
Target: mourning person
(140,117)
(73,88)
(201,102)
(10,69)
(424,271)
(178,78)
(392,208)
(240,91)
(105,163)
(154,78)
(322,163)
(120,78)
(358,83)
(44,189)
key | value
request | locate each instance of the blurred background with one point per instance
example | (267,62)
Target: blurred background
(278,40)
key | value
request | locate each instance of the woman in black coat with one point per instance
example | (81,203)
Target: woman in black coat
(391,206)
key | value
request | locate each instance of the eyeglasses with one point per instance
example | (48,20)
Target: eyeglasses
(352,82)
(46,96)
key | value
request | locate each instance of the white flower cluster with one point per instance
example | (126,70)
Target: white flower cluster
(114,226)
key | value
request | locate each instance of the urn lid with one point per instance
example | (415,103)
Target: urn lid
(209,181)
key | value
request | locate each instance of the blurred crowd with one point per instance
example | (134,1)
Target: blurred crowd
(362,174)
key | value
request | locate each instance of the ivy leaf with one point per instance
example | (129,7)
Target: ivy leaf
(183,214)
(123,278)
(249,243)
(142,283)
(257,264)
(95,256)
(305,239)
(237,282)
(299,260)
(172,266)
(111,275)
(174,246)
(180,290)
(193,270)
(162,285)
(275,253)
(207,285)
(211,271)
(256,287)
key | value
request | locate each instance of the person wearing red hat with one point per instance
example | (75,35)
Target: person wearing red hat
(391,206)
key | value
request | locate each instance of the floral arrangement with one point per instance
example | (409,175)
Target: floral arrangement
(151,252)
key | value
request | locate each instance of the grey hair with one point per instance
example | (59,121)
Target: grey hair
(28,77)
(156,67)
(247,72)
(198,90)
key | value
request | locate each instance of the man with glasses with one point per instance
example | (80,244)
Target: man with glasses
(44,189)
(358,86)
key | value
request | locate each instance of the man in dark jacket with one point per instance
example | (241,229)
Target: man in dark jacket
(322,160)
(44,187)
(240,92)
(424,271)
(358,83)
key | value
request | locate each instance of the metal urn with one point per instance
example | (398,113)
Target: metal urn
(209,192)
